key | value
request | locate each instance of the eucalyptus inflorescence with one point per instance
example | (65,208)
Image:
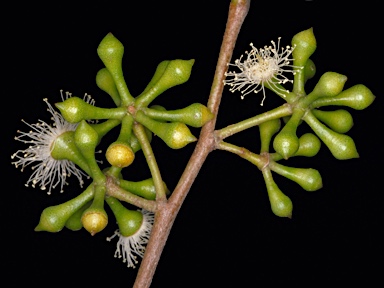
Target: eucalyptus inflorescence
(68,146)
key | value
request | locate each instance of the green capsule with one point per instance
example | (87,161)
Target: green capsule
(75,109)
(145,188)
(174,72)
(74,222)
(105,82)
(357,97)
(286,142)
(129,221)
(309,179)
(195,115)
(267,130)
(305,44)
(176,135)
(309,145)
(53,218)
(340,120)
(111,52)
(281,204)
(341,146)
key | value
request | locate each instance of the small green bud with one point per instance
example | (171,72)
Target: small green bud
(145,188)
(309,70)
(129,221)
(53,218)
(74,222)
(286,142)
(341,146)
(340,120)
(267,130)
(176,135)
(329,85)
(64,148)
(309,145)
(309,179)
(157,75)
(120,154)
(357,97)
(111,52)
(175,72)
(195,115)
(305,44)
(75,110)
(105,82)
(281,205)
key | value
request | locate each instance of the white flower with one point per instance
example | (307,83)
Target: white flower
(262,67)
(48,172)
(129,247)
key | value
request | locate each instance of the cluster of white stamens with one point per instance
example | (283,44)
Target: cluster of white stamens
(132,246)
(48,172)
(262,67)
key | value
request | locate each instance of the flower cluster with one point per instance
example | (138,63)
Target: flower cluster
(262,67)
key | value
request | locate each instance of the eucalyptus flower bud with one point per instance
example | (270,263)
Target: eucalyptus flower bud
(340,120)
(167,75)
(195,115)
(105,82)
(74,222)
(305,44)
(309,145)
(309,70)
(145,188)
(357,97)
(53,218)
(75,109)
(267,130)
(176,135)
(94,218)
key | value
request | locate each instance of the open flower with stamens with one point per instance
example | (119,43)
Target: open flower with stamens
(262,67)
(132,246)
(48,171)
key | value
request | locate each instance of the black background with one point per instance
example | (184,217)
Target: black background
(225,232)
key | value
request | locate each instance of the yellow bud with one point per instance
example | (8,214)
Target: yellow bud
(120,155)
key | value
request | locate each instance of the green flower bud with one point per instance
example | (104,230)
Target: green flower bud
(341,146)
(267,130)
(286,141)
(176,135)
(145,188)
(176,72)
(305,44)
(329,85)
(53,218)
(64,148)
(75,110)
(119,154)
(357,97)
(86,139)
(94,218)
(157,75)
(111,52)
(281,205)
(195,115)
(105,82)
(74,222)
(309,145)
(340,120)
(309,179)
(129,221)
(309,70)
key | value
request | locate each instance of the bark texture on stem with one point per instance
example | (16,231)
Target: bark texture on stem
(167,212)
